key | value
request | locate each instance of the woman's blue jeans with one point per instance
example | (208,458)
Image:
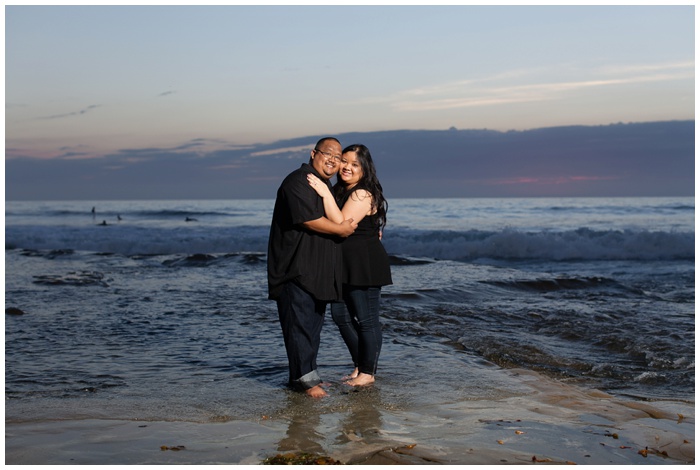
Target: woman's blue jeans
(357,318)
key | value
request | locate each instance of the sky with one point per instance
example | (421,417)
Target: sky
(90,82)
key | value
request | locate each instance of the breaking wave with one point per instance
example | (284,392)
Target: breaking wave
(507,244)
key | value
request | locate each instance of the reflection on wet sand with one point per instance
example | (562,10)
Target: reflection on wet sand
(304,419)
(344,427)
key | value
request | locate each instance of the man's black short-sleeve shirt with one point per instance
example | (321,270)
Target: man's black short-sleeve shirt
(294,253)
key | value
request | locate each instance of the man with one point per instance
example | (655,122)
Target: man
(304,263)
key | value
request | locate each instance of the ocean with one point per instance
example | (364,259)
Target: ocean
(158,310)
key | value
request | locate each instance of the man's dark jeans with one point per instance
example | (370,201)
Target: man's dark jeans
(301,317)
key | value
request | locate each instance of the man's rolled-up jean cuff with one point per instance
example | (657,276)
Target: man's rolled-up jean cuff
(309,380)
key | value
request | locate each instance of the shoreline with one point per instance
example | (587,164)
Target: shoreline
(543,421)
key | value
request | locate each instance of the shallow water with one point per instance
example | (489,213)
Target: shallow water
(155,318)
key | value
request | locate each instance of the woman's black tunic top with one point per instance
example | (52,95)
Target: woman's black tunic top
(365,261)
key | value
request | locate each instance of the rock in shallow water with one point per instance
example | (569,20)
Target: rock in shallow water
(14,311)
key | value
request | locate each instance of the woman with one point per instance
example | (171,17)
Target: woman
(365,262)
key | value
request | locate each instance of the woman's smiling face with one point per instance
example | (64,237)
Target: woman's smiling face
(350,169)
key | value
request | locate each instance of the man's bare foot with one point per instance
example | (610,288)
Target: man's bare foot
(361,379)
(351,376)
(316,392)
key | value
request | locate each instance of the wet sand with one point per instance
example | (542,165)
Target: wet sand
(541,421)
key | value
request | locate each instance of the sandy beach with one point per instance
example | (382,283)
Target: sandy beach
(543,421)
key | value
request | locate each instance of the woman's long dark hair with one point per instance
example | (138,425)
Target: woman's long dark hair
(368,182)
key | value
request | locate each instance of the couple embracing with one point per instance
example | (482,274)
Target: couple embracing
(325,247)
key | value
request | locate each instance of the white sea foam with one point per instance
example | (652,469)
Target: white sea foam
(582,244)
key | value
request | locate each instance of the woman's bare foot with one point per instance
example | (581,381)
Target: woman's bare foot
(361,379)
(316,392)
(351,376)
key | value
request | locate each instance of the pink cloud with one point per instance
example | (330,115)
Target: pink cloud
(550,180)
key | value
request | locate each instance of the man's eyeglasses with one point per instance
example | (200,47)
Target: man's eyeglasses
(328,155)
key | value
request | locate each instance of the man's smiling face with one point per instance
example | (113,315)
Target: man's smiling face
(326,158)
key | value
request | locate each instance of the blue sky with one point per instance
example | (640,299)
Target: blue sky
(90,81)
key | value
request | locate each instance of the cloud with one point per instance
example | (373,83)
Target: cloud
(642,159)
(645,68)
(74,113)
(552,180)
(286,150)
(199,147)
(487,92)
(232,166)
(77,156)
